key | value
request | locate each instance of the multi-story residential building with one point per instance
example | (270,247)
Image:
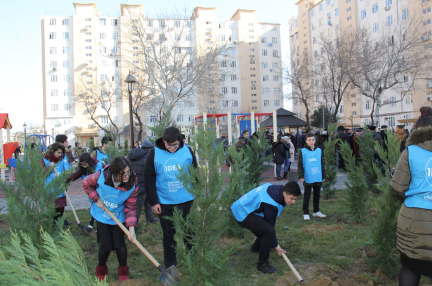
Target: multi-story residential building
(89,49)
(317,19)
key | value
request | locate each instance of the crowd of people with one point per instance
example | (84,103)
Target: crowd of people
(145,180)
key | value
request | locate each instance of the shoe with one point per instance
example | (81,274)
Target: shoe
(285,175)
(101,271)
(152,220)
(254,249)
(67,222)
(279,177)
(89,227)
(123,273)
(267,268)
(306,217)
(319,214)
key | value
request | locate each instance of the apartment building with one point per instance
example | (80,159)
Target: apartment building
(89,49)
(325,18)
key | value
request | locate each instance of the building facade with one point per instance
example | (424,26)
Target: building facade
(325,18)
(87,51)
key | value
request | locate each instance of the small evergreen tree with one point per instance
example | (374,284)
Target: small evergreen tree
(163,122)
(30,201)
(112,151)
(256,158)
(207,260)
(91,145)
(64,264)
(126,144)
(367,145)
(329,190)
(388,206)
(357,190)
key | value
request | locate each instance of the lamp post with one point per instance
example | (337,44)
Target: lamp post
(25,131)
(52,132)
(352,126)
(130,80)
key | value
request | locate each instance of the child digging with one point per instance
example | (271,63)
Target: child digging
(116,186)
(87,166)
(257,211)
(311,172)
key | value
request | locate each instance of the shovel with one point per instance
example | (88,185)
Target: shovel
(292,268)
(83,228)
(168,276)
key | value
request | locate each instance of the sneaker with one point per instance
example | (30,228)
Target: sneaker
(89,227)
(319,214)
(267,268)
(67,222)
(306,217)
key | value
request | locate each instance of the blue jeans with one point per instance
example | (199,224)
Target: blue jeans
(287,164)
(278,170)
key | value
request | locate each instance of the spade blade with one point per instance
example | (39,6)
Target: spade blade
(169,276)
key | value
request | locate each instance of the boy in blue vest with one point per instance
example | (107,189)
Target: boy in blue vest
(257,211)
(164,190)
(311,172)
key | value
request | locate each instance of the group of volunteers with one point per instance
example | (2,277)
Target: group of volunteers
(147,179)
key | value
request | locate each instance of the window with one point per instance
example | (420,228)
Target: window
(264,65)
(224,90)
(177,24)
(224,64)
(264,52)
(363,14)
(348,1)
(277,103)
(253,94)
(54,92)
(427,22)
(254,108)
(336,12)
(104,119)
(52,21)
(52,35)
(389,20)
(389,2)
(233,51)
(275,53)
(341,109)
(349,18)
(393,101)
(53,50)
(263,39)
(189,24)
(65,64)
(315,54)
(88,33)
(66,78)
(265,77)
(374,8)
(67,107)
(233,77)
(162,23)
(115,36)
(405,78)
(150,23)
(328,2)
(321,7)
(405,14)
(266,102)
(263,27)
(103,77)
(102,22)
(234,90)
(276,91)
(113,22)
(375,27)
(88,47)
(179,118)
(53,78)
(88,55)
(162,38)
(368,104)
(54,107)
(275,65)
(313,13)
(265,91)
(65,22)
(102,36)
(188,37)
(275,77)
(348,9)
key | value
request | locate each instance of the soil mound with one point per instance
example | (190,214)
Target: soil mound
(133,282)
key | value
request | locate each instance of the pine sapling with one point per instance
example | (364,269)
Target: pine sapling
(161,124)
(329,190)
(368,160)
(112,151)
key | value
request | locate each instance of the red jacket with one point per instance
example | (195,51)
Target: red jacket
(89,185)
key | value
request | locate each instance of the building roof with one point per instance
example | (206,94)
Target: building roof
(284,112)
(284,118)
(4,121)
(242,10)
(129,5)
(93,4)
(126,131)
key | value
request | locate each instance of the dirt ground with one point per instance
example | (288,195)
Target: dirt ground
(133,282)
(4,224)
(319,228)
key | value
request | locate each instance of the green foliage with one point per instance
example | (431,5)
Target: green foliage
(91,145)
(357,190)
(163,122)
(384,228)
(206,262)
(317,117)
(367,150)
(112,151)
(30,202)
(126,144)
(254,154)
(64,264)
(329,190)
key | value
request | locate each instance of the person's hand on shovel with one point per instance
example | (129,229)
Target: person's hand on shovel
(131,235)
(279,250)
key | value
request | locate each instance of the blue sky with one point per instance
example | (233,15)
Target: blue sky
(21,50)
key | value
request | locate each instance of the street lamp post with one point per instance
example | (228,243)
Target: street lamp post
(25,131)
(52,131)
(130,80)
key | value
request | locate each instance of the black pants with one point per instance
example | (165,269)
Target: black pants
(341,162)
(169,243)
(316,198)
(142,202)
(264,232)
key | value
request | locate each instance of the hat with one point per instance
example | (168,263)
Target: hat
(400,126)
(359,129)
(340,128)
(383,126)
(371,127)
(324,132)
(146,144)
(242,138)
(285,138)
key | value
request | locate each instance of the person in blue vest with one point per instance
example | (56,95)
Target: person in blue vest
(164,190)
(311,172)
(100,153)
(63,140)
(116,187)
(258,210)
(87,166)
(53,157)
(412,185)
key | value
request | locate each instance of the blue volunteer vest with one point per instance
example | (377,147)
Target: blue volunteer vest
(65,163)
(419,194)
(114,201)
(312,165)
(100,156)
(170,190)
(60,167)
(251,201)
(97,168)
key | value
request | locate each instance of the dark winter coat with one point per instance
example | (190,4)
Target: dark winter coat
(279,153)
(300,168)
(343,138)
(322,140)
(414,229)
(300,141)
(383,134)
(69,155)
(137,157)
(287,147)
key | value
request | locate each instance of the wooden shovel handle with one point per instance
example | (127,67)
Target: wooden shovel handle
(69,201)
(149,256)
(292,268)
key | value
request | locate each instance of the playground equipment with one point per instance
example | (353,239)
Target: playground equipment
(6,148)
(42,142)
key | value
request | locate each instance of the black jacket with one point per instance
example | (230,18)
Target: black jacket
(150,172)
(286,147)
(279,153)
(137,157)
(383,134)
(343,138)
(270,212)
